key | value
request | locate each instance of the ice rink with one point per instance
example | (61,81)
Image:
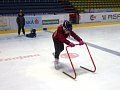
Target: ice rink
(27,63)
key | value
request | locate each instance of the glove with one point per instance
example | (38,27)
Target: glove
(81,42)
(72,44)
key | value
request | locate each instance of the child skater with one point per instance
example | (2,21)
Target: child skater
(60,37)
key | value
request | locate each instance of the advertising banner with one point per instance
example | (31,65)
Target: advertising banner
(33,22)
(99,17)
(4,24)
(53,20)
(30,22)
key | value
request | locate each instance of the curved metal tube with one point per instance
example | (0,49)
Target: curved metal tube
(74,77)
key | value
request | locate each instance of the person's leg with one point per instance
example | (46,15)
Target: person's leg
(59,47)
(23,30)
(19,30)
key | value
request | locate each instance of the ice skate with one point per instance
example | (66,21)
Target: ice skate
(56,64)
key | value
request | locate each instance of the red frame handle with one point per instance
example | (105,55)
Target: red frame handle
(74,77)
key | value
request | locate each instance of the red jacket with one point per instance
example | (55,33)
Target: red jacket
(60,36)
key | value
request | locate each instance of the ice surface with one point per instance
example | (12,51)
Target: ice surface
(27,63)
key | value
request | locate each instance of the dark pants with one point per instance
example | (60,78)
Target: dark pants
(19,29)
(59,47)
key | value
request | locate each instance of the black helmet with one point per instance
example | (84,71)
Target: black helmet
(67,25)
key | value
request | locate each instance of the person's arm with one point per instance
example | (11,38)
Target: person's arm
(17,20)
(75,36)
(24,20)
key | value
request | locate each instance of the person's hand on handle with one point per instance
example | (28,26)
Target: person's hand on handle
(72,44)
(81,42)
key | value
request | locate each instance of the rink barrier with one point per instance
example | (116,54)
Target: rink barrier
(54,28)
(94,24)
(15,31)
